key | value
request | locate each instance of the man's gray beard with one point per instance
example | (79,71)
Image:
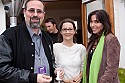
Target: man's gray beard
(35,25)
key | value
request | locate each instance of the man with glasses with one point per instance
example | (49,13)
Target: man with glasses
(29,56)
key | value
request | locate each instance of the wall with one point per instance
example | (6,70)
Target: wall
(60,14)
(2,18)
(64,9)
(119,11)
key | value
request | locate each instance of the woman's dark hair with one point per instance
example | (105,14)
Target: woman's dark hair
(60,39)
(103,17)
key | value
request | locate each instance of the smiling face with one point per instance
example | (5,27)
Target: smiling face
(95,25)
(34,13)
(67,31)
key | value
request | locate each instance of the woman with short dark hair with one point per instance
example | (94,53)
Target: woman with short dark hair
(69,54)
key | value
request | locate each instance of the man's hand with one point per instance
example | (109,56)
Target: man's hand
(41,78)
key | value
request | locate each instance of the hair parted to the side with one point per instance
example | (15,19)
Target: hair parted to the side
(103,17)
(52,20)
(60,38)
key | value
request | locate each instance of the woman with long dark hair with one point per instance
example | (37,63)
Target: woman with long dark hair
(103,50)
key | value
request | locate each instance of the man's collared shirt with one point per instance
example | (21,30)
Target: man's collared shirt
(40,57)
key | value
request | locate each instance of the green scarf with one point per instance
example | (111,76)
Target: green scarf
(95,63)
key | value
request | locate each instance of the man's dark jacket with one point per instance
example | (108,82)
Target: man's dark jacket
(17,62)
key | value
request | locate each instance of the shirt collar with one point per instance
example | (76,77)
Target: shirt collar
(32,33)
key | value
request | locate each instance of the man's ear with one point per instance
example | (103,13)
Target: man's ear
(54,26)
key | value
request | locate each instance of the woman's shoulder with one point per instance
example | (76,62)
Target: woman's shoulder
(110,37)
(80,46)
(57,45)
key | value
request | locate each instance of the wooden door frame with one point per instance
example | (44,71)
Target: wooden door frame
(109,7)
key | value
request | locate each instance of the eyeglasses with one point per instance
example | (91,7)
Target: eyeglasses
(32,10)
(70,30)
